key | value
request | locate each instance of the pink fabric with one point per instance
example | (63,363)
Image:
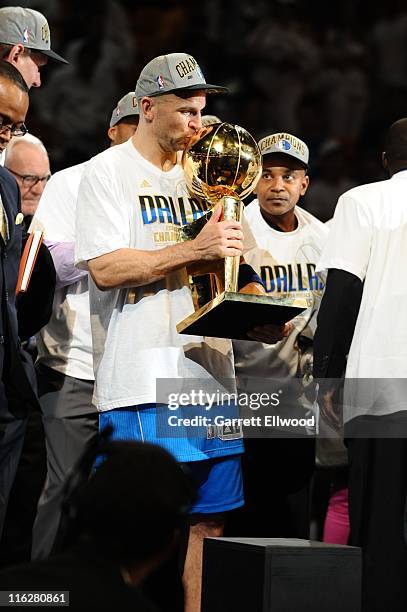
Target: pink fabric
(63,255)
(336,527)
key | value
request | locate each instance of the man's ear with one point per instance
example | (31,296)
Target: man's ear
(305,183)
(111,132)
(147,106)
(15,53)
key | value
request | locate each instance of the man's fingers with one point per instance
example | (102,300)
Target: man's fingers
(269,334)
(216,214)
(231,251)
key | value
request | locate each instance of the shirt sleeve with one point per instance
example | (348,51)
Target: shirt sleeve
(349,241)
(55,214)
(336,323)
(102,222)
(63,257)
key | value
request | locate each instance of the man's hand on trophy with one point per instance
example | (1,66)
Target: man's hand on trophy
(218,239)
(270,334)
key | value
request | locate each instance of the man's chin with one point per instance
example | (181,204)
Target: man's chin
(276,211)
(28,210)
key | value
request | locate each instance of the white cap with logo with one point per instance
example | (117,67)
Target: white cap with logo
(285,144)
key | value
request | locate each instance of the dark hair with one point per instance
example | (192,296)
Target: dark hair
(129,119)
(133,503)
(5,51)
(396,141)
(10,73)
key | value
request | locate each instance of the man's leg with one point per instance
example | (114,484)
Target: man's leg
(220,490)
(377,498)
(70,425)
(202,526)
(16,540)
(11,442)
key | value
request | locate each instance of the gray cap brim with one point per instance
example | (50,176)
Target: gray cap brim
(52,55)
(206,87)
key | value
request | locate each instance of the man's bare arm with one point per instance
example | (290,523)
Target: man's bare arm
(133,267)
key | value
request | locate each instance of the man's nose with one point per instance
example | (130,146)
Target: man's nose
(37,80)
(196,122)
(5,136)
(38,188)
(277,184)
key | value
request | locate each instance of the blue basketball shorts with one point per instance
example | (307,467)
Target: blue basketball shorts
(218,479)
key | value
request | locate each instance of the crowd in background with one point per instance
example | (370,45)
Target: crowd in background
(335,78)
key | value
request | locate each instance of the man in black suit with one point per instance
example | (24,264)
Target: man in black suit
(17,378)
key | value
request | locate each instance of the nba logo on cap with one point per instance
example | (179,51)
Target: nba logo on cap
(284,145)
(26,36)
(160,82)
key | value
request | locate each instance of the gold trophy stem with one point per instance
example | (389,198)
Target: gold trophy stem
(232,211)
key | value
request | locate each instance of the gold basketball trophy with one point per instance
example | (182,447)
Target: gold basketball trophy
(223,167)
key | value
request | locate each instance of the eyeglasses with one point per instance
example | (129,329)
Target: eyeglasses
(29,180)
(16,129)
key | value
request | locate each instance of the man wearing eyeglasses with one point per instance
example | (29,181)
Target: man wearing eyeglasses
(16,371)
(27,159)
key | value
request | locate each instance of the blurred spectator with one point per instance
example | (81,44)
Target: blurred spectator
(76,96)
(283,55)
(388,44)
(340,88)
(331,181)
(287,65)
(138,490)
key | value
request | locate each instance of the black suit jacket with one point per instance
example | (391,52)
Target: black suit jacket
(34,306)
(17,376)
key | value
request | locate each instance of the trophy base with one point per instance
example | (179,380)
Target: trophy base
(232,315)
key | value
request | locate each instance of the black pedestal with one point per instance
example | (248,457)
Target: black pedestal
(280,575)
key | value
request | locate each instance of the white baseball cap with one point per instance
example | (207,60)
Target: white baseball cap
(285,144)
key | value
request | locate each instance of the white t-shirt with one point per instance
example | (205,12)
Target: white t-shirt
(368,238)
(126,202)
(286,263)
(65,343)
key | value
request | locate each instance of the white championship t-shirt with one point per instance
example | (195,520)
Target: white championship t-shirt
(65,343)
(368,238)
(126,202)
(286,263)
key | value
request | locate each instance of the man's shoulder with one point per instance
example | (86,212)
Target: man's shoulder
(9,190)
(111,156)
(7,178)
(67,174)
(362,193)
(307,219)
